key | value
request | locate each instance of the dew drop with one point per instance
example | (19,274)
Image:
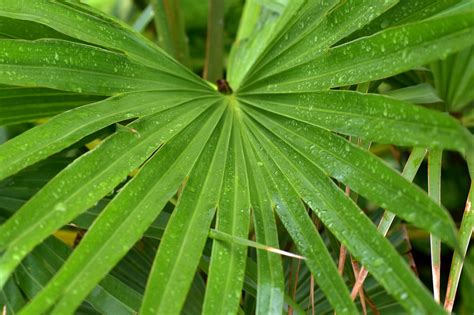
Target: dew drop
(60,207)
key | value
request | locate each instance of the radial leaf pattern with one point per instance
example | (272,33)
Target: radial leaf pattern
(255,160)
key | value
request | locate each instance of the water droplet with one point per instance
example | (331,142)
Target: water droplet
(60,207)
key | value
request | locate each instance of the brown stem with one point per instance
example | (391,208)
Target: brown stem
(409,254)
(311,293)
(295,285)
(355,268)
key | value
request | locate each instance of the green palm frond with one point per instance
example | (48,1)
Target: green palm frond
(255,160)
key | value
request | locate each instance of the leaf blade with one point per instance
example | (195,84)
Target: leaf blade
(79,186)
(340,21)
(364,173)
(92,26)
(369,116)
(270,284)
(307,239)
(43,141)
(75,67)
(350,225)
(188,228)
(228,260)
(125,219)
(19,104)
(374,57)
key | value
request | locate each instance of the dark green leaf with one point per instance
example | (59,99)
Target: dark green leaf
(228,260)
(20,104)
(188,228)
(293,215)
(126,218)
(350,225)
(87,180)
(69,127)
(270,285)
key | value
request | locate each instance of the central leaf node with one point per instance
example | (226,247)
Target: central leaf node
(223,86)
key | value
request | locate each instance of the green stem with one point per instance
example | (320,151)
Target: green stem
(409,171)
(434,190)
(214,63)
(222,236)
(171,30)
(465,232)
(145,17)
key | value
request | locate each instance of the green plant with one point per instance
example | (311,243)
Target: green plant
(269,154)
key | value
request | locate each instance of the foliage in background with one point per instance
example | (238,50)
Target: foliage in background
(177,195)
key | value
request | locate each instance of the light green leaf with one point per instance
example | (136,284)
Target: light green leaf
(261,21)
(405,11)
(181,153)
(90,25)
(370,58)
(80,68)
(314,39)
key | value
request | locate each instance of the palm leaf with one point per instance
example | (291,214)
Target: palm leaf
(20,104)
(348,223)
(270,271)
(63,197)
(375,57)
(228,260)
(69,68)
(275,146)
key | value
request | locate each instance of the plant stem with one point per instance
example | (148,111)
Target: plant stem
(222,236)
(465,232)
(342,260)
(214,63)
(409,254)
(311,293)
(434,190)
(145,17)
(295,285)
(409,172)
(355,268)
(171,30)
